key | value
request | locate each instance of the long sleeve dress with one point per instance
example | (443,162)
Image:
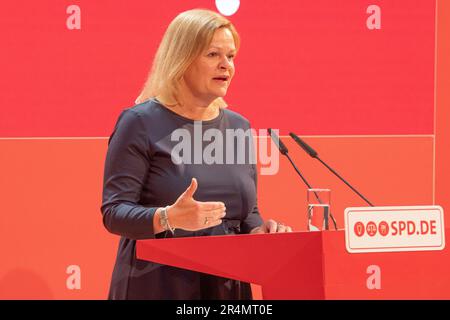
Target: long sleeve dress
(140,175)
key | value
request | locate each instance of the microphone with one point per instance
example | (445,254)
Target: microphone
(312,153)
(280,145)
(284,151)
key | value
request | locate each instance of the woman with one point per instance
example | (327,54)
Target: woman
(147,194)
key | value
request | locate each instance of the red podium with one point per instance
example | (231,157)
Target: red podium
(307,265)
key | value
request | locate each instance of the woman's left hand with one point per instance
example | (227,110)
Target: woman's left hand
(271,226)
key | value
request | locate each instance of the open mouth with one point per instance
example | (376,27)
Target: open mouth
(222,78)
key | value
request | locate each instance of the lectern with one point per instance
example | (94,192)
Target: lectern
(307,265)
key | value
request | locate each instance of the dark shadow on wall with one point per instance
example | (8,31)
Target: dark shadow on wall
(24,284)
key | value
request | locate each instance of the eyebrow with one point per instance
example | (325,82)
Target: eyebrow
(232,50)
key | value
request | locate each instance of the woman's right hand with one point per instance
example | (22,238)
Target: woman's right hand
(188,214)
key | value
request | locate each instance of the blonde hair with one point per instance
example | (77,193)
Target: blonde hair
(186,37)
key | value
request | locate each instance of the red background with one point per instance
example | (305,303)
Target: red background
(373,103)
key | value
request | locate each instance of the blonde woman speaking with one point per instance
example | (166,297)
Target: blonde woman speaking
(151,191)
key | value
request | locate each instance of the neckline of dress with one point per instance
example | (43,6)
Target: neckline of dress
(204,122)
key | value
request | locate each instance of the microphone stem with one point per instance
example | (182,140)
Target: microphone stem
(309,187)
(336,174)
(299,173)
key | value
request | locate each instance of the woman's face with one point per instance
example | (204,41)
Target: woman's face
(209,76)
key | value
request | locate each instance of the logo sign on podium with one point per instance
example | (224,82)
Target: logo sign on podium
(392,229)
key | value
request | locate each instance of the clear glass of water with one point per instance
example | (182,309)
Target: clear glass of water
(318,209)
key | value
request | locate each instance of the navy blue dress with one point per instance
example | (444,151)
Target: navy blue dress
(140,176)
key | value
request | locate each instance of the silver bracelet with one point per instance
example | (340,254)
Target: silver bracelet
(164,220)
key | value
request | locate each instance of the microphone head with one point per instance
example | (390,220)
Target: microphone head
(304,145)
(280,145)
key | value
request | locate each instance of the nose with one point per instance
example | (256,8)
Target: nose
(225,63)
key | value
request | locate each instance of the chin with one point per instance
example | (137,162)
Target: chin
(220,93)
